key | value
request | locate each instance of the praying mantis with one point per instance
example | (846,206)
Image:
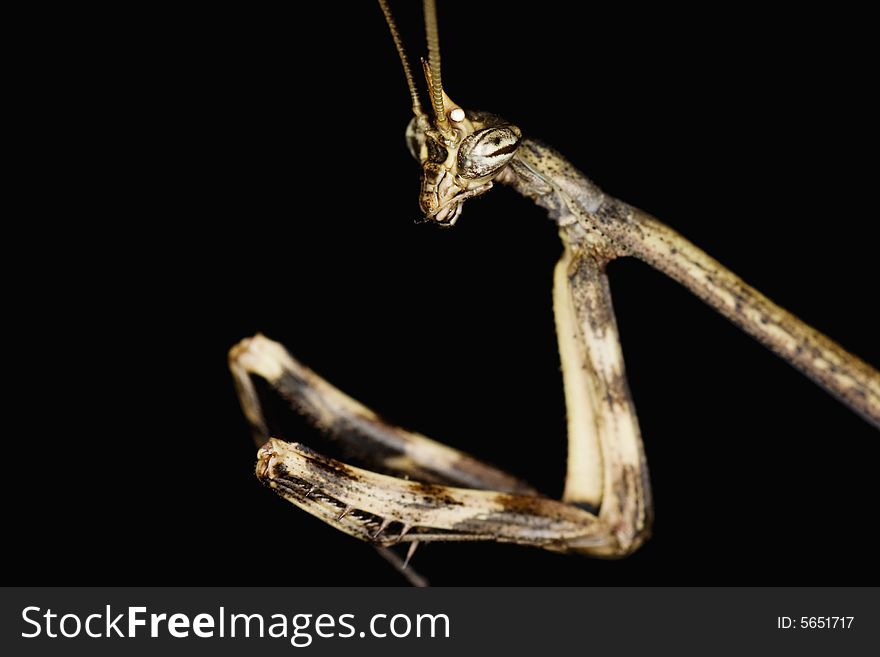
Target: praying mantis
(440,494)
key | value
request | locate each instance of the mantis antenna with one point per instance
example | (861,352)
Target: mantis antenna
(439,100)
(407,71)
(434,80)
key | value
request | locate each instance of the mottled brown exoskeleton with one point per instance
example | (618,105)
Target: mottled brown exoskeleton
(431,492)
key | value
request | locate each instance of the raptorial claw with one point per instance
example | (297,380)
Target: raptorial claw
(410,553)
(382,527)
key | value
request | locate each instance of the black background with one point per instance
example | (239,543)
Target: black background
(198,178)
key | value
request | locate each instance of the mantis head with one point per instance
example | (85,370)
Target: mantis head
(460,151)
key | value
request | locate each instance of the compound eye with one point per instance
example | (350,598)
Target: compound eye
(437,153)
(415,140)
(487,151)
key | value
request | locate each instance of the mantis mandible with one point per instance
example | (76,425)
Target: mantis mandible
(424,491)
